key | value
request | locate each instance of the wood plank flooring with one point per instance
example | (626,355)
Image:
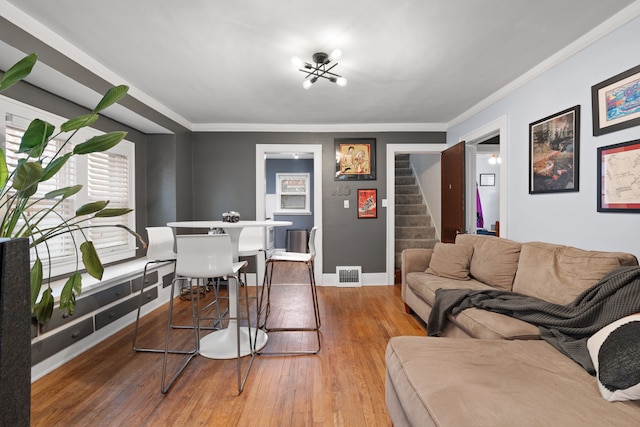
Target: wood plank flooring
(343,385)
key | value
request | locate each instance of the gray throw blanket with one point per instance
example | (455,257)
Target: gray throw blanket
(566,327)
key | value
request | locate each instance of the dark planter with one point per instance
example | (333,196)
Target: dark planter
(15,333)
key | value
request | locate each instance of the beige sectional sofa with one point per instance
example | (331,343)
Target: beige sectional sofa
(506,375)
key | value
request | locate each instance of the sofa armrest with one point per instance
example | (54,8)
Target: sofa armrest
(413,260)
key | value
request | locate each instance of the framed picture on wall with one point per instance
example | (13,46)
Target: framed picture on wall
(619,177)
(487,179)
(367,203)
(355,159)
(616,102)
(554,150)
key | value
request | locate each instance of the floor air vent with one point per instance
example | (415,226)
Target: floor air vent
(349,276)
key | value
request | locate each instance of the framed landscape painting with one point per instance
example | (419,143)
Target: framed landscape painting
(554,149)
(355,159)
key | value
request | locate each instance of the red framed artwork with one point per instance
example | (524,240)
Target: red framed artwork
(619,177)
(367,203)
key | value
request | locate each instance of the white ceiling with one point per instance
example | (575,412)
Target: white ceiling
(225,65)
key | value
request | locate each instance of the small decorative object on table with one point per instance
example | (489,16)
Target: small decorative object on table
(231,216)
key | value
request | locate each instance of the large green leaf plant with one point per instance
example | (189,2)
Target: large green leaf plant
(18,187)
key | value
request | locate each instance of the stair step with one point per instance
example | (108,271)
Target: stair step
(408,199)
(405,180)
(407,209)
(417,232)
(407,189)
(413,220)
(404,172)
(402,164)
(402,156)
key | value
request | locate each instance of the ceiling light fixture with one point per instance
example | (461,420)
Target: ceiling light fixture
(320,68)
(495,159)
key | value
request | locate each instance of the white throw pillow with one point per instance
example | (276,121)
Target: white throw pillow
(615,353)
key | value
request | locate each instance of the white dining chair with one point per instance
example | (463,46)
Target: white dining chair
(203,256)
(265,307)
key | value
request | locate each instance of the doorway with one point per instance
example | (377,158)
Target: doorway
(392,150)
(497,132)
(313,150)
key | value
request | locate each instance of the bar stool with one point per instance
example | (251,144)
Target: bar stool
(203,256)
(308,260)
(160,250)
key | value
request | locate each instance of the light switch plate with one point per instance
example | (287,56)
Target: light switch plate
(346,204)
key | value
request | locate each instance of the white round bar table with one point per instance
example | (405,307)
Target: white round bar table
(222,344)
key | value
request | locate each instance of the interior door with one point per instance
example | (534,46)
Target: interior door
(452,164)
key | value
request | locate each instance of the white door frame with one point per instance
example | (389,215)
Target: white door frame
(392,150)
(495,128)
(261,188)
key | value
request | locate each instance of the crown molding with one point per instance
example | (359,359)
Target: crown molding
(621,18)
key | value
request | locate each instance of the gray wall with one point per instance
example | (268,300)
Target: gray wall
(224,179)
(201,175)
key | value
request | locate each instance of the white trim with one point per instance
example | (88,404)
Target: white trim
(392,150)
(616,21)
(368,279)
(497,127)
(345,127)
(261,188)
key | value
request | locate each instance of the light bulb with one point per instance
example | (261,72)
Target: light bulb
(499,160)
(297,62)
(307,84)
(341,81)
(335,55)
(492,160)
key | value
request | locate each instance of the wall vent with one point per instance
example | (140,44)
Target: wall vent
(349,276)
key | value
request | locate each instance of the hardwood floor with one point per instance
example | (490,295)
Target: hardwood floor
(343,385)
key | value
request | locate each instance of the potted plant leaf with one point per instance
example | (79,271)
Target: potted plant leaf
(18,192)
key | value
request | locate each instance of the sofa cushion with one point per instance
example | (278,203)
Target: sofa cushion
(494,260)
(558,273)
(472,382)
(615,353)
(474,322)
(452,261)
(484,324)
(425,285)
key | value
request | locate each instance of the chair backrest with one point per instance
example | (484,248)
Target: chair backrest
(251,240)
(204,255)
(161,242)
(312,242)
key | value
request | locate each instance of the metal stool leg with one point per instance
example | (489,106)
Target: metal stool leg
(316,313)
(165,386)
(135,334)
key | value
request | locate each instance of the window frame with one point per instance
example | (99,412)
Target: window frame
(68,264)
(306,177)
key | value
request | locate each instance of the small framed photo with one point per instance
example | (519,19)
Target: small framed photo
(554,152)
(619,177)
(367,203)
(355,159)
(616,102)
(487,179)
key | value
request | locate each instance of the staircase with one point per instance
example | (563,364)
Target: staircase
(413,227)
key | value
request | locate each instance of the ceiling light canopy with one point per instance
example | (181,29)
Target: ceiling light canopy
(321,68)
